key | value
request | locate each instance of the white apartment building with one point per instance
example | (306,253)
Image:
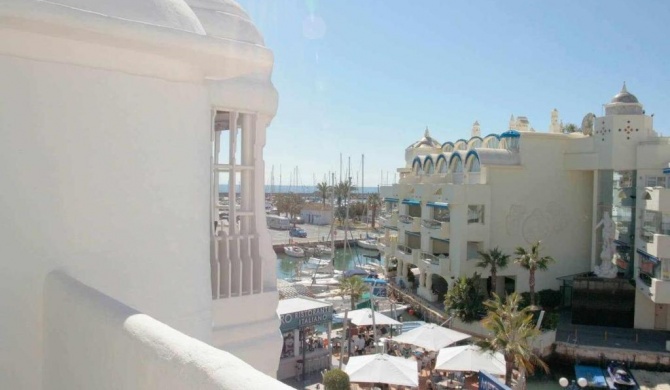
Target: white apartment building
(118,121)
(512,189)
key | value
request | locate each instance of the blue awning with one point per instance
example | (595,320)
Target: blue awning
(413,234)
(439,205)
(411,202)
(666,171)
(391,200)
(648,256)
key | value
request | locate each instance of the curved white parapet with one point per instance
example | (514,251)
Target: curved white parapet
(92,341)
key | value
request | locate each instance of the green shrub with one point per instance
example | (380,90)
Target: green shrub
(336,379)
(525,300)
(550,321)
(551,299)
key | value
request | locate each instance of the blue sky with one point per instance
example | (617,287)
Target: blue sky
(367,76)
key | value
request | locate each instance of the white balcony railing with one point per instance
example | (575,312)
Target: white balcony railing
(657,199)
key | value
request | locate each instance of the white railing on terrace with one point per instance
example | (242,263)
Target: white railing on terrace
(404,249)
(430,258)
(431,224)
(406,219)
(92,341)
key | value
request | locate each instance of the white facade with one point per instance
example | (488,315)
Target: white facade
(521,186)
(107,124)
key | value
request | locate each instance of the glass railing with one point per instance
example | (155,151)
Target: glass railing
(404,249)
(431,224)
(406,219)
(430,258)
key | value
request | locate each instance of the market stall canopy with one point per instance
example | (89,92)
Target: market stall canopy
(382,368)
(362,317)
(470,358)
(431,337)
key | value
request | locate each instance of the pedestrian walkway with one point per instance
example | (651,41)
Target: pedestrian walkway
(610,337)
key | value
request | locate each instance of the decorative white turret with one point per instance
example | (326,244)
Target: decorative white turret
(512,123)
(522,124)
(555,126)
(476,130)
(624,103)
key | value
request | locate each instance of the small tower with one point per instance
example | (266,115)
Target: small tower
(555,126)
(512,123)
(476,130)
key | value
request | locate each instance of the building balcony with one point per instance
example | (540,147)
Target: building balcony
(436,229)
(389,220)
(657,199)
(433,263)
(654,285)
(407,254)
(410,224)
(387,245)
(658,246)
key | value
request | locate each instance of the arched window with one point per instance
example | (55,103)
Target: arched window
(448,147)
(456,164)
(428,166)
(491,142)
(475,142)
(442,164)
(461,144)
(472,162)
(416,166)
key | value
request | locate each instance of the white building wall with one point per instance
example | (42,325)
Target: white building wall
(116,195)
(540,200)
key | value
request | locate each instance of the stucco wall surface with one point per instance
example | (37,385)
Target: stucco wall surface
(104,174)
(95,342)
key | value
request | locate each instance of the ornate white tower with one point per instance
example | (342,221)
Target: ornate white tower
(555,126)
(476,130)
(512,122)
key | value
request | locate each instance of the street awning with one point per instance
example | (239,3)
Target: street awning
(412,202)
(391,200)
(439,205)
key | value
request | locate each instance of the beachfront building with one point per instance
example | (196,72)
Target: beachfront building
(119,120)
(598,199)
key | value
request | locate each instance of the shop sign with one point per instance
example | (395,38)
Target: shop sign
(489,382)
(300,319)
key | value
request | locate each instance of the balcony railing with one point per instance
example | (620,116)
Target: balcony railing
(406,219)
(431,224)
(404,249)
(430,258)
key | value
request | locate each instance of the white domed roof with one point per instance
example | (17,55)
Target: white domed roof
(174,14)
(624,96)
(426,142)
(226,19)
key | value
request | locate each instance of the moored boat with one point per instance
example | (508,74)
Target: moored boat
(294,251)
(368,243)
(620,376)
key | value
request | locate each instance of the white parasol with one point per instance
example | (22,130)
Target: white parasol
(431,337)
(362,317)
(470,358)
(382,368)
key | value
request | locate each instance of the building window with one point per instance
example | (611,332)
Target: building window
(235,258)
(656,181)
(654,222)
(441,214)
(476,214)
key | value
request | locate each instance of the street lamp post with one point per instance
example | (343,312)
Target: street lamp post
(575,385)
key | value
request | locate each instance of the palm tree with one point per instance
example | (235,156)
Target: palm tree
(463,298)
(354,287)
(512,332)
(494,259)
(374,202)
(532,261)
(322,189)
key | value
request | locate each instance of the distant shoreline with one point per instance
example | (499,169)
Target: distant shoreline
(223,188)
